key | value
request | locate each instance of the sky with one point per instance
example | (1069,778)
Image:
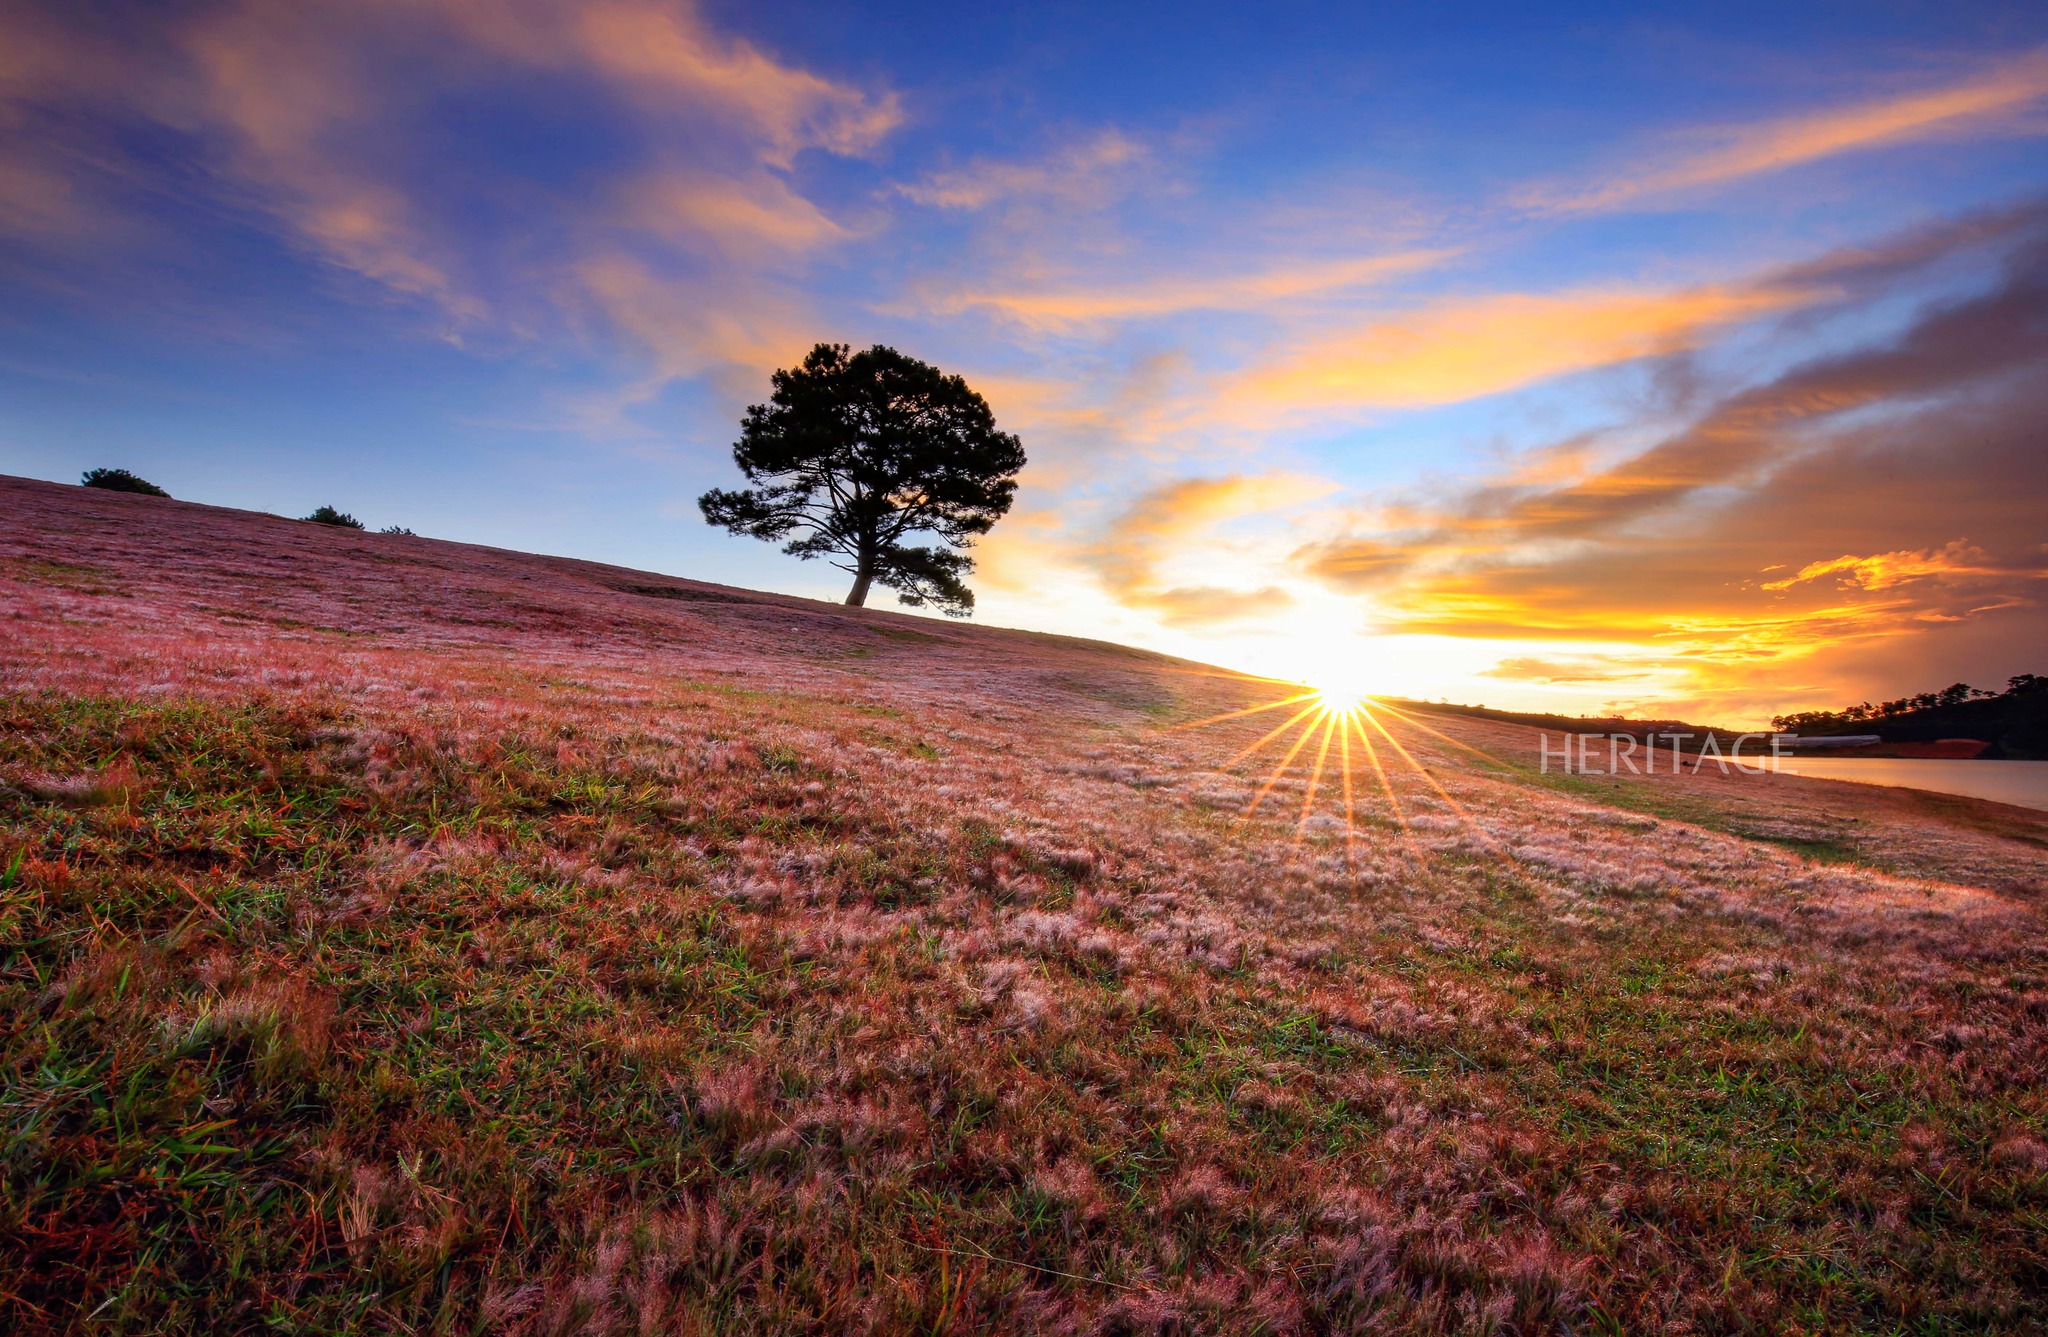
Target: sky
(1667,359)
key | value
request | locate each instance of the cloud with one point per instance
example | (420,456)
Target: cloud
(1746,434)
(290,96)
(54,181)
(689,327)
(1071,308)
(37,199)
(756,217)
(1188,506)
(674,62)
(1156,528)
(327,122)
(1462,348)
(1886,569)
(307,97)
(1206,605)
(1084,175)
(2002,98)
(1529,668)
(1025,553)
(1921,450)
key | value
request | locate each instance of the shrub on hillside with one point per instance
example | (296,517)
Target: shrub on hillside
(327,515)
(398,529)
(120,480)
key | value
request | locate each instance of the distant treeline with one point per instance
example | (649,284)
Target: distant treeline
(1839,721)
(2014,721)
(1693,736)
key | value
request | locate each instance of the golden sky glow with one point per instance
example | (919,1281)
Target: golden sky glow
(1463,349)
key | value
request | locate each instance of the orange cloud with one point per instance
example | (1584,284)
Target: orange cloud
(1075,420)
(1998,99)
(1917,438)
(1021,554)
(1887,569)
(689,329)
(1147,535)
(1529,668)
(1464,348)
(755,216)
(1095,305)
(287,86)
(664,54)
(314,124)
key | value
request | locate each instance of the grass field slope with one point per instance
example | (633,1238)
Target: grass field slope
(404,937)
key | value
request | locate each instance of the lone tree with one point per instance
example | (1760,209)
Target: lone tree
(855,453)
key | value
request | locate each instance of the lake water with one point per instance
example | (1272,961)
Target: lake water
(2024,783)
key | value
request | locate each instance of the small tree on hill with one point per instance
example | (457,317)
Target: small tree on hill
(327,515)
(120,480)
(857,452)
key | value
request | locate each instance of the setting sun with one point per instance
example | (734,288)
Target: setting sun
(1339,699)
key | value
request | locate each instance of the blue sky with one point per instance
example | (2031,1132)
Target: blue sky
(1576,358)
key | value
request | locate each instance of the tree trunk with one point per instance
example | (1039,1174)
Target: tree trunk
(858,596)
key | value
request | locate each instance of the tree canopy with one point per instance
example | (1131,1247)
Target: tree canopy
(857,453)
(120,480)
(327,515)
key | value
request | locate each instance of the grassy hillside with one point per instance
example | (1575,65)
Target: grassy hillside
(398,936)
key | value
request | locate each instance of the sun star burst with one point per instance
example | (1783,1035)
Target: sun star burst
(1323,720)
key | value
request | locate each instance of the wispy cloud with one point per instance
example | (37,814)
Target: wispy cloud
(1095,306)
(1914,450)
(37,199)
(1149,539)
(691,326)
(673,61)
(2004,98)
(754,217)
(1461,348)
(1086,174)
(1535,668)
(1882,571)
(318,121)
(315,123)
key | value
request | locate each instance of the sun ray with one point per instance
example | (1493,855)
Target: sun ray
(1387,787)
(1350,818)
(1315,779)
(1279,729)
(1248,710)
(1406,718)
(1281,769)
(1485,837)
(1336,712)
(1372,755)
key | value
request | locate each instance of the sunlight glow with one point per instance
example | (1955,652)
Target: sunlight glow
(1339,700)
(1341,689)
(1321,724)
